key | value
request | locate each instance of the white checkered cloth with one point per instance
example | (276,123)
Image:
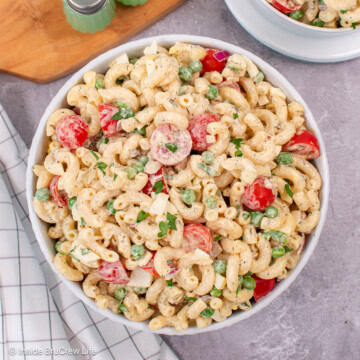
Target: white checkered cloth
(40,317)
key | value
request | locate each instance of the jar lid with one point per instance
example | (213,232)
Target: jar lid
(86,6)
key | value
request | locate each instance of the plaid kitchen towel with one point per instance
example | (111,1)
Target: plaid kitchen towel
(40,317)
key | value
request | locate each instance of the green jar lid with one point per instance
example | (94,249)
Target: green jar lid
(132,2)
(89,16)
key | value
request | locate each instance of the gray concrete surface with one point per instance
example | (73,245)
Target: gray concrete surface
(318,317)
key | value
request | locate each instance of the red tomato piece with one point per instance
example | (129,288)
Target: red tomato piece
(153,178)
(198,130)
(260,194)
(197,236)
(149,267)
(231,84)
(72,131)
(169,135)
(263,287)
(110,127)
(113,272)
(60,197)
(304,143)
(285,6)
(210,63)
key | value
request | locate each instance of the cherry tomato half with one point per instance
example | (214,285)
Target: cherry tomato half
(304,143)
(72,131)
(260,194)
(263,287)
(60,197)
(210,63)
(197,236)
(113,272)
(231,84)
(110,127)
(153,179)
(198,130)
(285,6)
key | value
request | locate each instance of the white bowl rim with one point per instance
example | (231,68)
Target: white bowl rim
(307,26)
(207,42)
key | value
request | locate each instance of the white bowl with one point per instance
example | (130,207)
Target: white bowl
(100,64)
(302,27)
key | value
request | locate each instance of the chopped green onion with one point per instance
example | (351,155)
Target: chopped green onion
(353,26)
(58,247)
(289,191)
(237,142)
(133,59)
(239,153)
(170,283)
(235,116)
(42,194)
(207,169)
(142,216)
(271,212)
(208,157)
(318,22)
(213,92)
(101,166)
(85,251)
(190,298)
(137,251)
(94,155)
(82,222)
(234,69)
(217,238)
(287,250)
(188,196)
(115,176)
(219,266)
(245,215)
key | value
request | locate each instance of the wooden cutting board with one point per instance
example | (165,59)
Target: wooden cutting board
(37,44)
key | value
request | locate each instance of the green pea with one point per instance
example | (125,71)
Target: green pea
(131,173)
(271,212)
(42,194)
(208,157)
(140,290)
(284,158)
(188,196)
(215,292)
(213,93)
(144,159)
(139,166)
(99,83)
(256,218)
(249,283)
(185,74)
(133,59)
(211,203)
(195,66)
(277,252)
(219,266)
(207,313)
(296,15)
(318,22)
(137,251)
(120,294)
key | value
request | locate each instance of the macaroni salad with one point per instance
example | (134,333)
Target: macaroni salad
(178,185)
(322,13)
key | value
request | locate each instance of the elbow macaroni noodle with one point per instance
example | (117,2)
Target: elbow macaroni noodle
(110,217)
